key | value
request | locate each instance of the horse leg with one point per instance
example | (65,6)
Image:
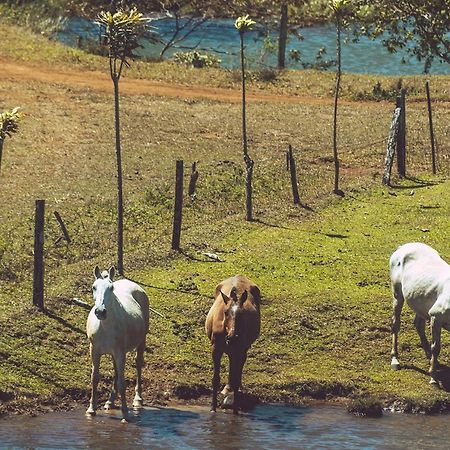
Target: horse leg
(120,364)
(397,305)
(112,396)
(216,357)
(137,402)
(95,377)
(419,322)
(435,348)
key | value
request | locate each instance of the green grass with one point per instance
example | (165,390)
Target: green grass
(322,272)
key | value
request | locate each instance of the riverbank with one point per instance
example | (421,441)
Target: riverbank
(322,269)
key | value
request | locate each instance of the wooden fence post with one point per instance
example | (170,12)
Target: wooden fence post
(38,274)
(178,208)
(401,136)
(62,225)
(430,121)
(392,141)
(293,176)
(193,179)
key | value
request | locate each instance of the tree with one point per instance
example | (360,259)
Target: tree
(421,27)
(339,9)
(244,24)
(121,32)
(9,124)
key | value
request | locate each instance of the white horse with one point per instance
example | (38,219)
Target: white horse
(422,278)
(117,324)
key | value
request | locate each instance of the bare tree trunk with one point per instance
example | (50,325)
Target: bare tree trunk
(248,161)
(336,97)
(282,39)
(119,179)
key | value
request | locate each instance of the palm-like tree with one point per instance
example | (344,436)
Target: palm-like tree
(338,7)
(121,32)
(9,124)
(244,24)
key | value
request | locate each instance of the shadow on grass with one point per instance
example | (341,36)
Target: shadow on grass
(179,291)
(62,321)
(415,183)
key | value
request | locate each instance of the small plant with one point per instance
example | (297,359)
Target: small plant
(9,124)
(196,59)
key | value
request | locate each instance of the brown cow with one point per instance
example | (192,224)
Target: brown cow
(232,325)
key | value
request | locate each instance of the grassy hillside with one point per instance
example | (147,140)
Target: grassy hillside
(322,269)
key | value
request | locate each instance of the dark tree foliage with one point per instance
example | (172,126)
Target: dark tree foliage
(422,27)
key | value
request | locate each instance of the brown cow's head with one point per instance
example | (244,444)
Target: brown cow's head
(233,315)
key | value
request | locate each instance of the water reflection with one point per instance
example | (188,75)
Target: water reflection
(266,427)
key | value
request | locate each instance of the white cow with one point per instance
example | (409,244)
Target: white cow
(422,278)
(117,324)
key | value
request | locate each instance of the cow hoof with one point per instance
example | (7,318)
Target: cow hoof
(395,364)
(226,390)
(138,404)
(228,400)
(434,383)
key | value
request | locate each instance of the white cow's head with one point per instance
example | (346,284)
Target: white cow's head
(102,290)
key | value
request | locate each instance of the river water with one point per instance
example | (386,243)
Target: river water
(365,56)
(266,427)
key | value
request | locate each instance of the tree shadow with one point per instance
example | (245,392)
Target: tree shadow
(415,183)
(65,323)
(271,225)
(336,235)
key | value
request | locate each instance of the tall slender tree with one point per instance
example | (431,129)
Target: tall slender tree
(338,7)
(9,124)
(244,24)
(121,32)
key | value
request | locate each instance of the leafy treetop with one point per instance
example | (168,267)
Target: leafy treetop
(9,123)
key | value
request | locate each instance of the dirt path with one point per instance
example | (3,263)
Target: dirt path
(101,82)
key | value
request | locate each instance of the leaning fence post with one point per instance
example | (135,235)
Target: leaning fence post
(62,225)
(293,177)
(38,274)
(287,160)
(193,179)
(430,121)
(401,136)
(178,208)
(392,141)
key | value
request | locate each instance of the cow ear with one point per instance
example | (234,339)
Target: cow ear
(244,297)
(112,272)
(97,272)
(225,298)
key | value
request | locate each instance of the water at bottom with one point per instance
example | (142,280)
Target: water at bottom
(266,427)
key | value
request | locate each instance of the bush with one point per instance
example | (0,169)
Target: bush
(196,59)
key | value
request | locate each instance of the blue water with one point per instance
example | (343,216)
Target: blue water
(219,35)
(267,427)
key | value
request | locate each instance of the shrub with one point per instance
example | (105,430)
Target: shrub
(196,59)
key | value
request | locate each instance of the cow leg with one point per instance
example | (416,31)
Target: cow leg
(419,322)
(435,347)
(95,377)
(112,396)
(137,402)
(216,357)
(120,364)
(397,305)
